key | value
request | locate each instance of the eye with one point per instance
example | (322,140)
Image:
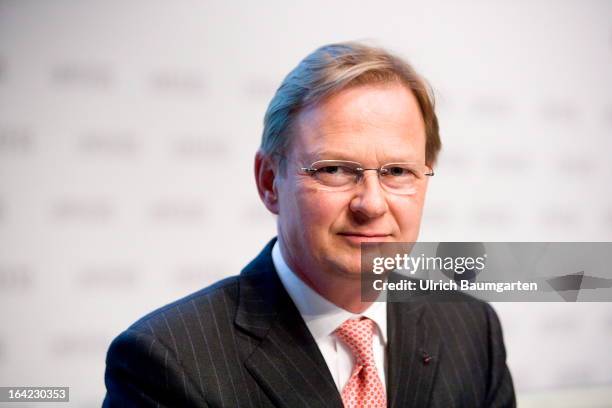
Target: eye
(335,170)
(329,169)
(334,175)
(398,171)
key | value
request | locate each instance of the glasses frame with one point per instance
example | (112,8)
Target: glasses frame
(381,171)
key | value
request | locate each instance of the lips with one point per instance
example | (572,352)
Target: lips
(365,234)
(356,238)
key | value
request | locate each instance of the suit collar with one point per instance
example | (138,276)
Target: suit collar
(260,294)
(321,316)
(287,362)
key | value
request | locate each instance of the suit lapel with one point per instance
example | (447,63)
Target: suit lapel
(286,363)
(412,354)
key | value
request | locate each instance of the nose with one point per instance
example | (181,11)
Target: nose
(369,200)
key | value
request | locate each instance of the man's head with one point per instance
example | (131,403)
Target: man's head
(357,104)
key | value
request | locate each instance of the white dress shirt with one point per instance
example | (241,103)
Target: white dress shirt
(323,317)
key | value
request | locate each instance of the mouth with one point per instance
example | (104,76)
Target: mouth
(359,237)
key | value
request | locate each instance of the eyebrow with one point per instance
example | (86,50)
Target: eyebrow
(316,155)
(329,154)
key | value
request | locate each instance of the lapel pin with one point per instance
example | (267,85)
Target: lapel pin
(426,358)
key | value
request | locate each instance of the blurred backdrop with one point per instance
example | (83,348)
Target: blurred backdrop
(128,130)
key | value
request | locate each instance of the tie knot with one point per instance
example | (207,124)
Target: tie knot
(357,335)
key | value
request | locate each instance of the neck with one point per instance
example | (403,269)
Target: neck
(344,292)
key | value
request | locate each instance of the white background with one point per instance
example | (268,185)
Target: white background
(128,130)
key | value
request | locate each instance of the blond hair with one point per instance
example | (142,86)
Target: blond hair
(331,69)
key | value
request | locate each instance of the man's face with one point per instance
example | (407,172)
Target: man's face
(321,230)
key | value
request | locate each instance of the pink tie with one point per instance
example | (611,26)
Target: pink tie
(364,388)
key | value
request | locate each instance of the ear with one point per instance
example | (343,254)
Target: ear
(266,178)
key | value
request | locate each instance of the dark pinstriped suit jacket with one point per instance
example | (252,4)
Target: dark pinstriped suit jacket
(242,343)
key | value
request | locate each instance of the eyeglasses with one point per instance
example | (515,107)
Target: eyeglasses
(341,175)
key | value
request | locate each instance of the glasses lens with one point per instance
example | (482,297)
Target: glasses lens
(335,173)
(401,177)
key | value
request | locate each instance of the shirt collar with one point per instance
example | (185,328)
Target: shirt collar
(321,316)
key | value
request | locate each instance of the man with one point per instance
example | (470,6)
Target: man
(349,141)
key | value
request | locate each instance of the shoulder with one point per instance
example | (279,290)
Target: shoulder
(211,306)
(162,351)
(207,314)
(170,342)
(194,310)
(460,316)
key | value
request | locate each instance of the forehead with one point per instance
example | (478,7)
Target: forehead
(367,123)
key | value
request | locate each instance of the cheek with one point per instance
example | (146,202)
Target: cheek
(407,212)
(320,210)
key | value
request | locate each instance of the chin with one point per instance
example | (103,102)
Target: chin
(346,264)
